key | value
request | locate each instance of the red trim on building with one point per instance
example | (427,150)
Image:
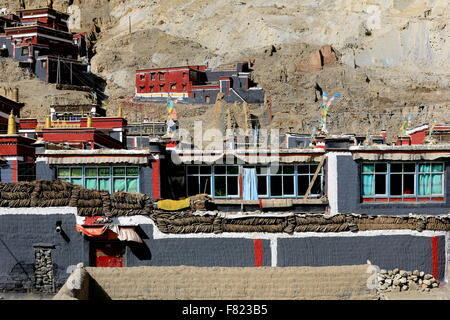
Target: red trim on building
(156,165)
(437,199)
(28,124)
(87,136)
(258,251)
(241,185)
(14,167)
(435,256)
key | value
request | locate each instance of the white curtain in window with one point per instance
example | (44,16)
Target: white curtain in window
(250,184)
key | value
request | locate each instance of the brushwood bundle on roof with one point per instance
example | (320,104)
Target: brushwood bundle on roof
(90,202)
(129,204)
(187,222)
(58,193)
(195,219)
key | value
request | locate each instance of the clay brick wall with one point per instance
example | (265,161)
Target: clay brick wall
(216,283)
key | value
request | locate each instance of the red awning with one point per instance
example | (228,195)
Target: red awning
(110,232)
(92,231)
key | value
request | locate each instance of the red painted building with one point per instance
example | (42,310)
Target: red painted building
(6,107)
(197,84)
(25,40)
(419,135)
(17,153)
(177,81)
(106,132)
(44,16)
(80,138)
(41,41)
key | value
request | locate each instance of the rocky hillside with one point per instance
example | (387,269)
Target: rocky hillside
(388,59)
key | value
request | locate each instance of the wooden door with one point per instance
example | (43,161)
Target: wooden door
(109,254)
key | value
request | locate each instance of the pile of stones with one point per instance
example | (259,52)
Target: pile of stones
(401,280)
(43,270)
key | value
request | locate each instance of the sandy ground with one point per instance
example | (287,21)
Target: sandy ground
(439,294)
(25,296)
(435,294)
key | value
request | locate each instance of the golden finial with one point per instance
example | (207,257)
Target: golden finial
(89,121)
(120,112)
(48,122)
(12,124)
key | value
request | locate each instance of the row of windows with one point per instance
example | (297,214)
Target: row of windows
(402,180)
(111,179)
(162,87)
(222,181)
(161,76)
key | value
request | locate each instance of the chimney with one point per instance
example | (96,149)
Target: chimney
(15,94)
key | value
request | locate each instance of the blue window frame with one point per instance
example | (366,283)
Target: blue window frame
(219,181)
(222,181)
(402,180)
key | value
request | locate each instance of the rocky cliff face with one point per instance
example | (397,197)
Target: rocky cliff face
(387,58)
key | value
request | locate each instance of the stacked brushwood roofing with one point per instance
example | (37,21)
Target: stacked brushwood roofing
(188,222)
(43,193)
(196,219)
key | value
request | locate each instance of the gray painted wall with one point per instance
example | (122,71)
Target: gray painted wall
(387,252)
(146,180)
(349,195)
(208,252)
(18,233)
(44,171)
(6,172)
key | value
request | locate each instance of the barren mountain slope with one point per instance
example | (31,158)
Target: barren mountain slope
(392,54)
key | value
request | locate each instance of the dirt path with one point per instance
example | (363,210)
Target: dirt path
(435,294)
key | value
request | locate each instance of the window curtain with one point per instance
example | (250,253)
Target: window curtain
(119,185)
(424,184)
(368,184)
(250,184)
(103,184)
(90,183)
(77,181)
(424,179)
(132,185)
(436,184)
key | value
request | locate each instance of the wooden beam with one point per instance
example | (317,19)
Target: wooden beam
(316,174)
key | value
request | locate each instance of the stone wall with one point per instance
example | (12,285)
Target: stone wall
(44,279)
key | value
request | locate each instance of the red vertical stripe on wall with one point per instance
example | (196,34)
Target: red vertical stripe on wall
(241,183)
(435,256)
(258,249)
(156,179)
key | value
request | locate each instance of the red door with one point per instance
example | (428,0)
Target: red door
(109,254)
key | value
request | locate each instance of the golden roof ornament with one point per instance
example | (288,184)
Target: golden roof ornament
(12,129)
(48,122)
(89,121)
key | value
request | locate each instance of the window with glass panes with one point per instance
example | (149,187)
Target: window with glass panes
(27,172)
(110,179)
(290,181)
(402,180)
(282,182)
(226,181)
(305,174)
(218,181)
(198,179)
